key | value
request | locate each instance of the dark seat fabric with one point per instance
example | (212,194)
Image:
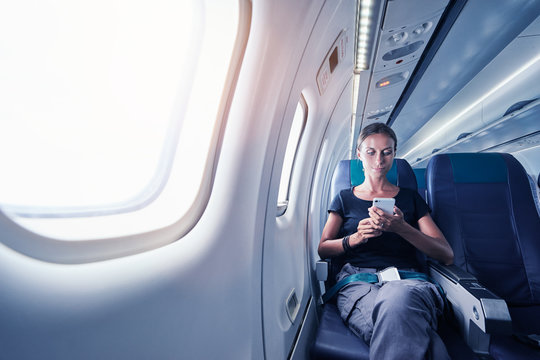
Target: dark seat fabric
(420,174)
(483,204)
(334,340)
(507,347)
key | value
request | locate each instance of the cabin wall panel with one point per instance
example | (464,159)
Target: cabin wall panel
(196,298)
(286,263)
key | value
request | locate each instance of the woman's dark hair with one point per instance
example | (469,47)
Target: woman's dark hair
(376,128)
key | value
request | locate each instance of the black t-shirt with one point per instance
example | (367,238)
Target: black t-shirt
(388,249)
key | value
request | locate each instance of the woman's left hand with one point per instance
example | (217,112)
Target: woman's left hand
(384,221)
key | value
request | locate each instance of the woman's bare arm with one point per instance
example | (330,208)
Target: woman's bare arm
(329,246)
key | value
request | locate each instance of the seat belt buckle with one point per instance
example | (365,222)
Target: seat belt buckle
(389,274)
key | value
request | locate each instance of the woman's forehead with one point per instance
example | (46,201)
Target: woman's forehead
(378,141)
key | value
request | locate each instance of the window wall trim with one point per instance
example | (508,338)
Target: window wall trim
(54,250)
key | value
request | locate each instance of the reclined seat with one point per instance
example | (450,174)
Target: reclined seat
(334,340)
(484,206)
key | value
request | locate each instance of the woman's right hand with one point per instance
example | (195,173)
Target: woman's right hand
(365,231)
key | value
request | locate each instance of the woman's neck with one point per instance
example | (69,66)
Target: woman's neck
(371,188)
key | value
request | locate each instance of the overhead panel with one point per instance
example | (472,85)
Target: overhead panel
(480,32)
(406,29)
(515,131)
(505,84)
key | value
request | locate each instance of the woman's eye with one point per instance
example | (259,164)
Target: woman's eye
(387,153)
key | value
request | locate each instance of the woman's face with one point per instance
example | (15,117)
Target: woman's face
(377,154)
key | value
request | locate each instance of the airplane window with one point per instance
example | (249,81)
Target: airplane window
(107,106)
(299,122)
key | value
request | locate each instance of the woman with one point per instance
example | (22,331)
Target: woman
(398,319)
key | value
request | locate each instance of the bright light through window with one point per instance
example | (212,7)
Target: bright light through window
(297,127)
(104,101)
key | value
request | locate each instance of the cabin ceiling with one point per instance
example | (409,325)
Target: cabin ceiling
(446,69)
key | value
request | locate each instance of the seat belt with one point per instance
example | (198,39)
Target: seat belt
(381,277)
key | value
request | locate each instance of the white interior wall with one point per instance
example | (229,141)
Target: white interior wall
(198,297)
(286,265)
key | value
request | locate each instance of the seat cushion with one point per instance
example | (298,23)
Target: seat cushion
(507,347)
(455,345)
(334,339)
(525,319)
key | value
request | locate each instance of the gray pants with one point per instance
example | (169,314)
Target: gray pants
(398,319)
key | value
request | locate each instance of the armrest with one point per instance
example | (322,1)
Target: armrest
(452,272)
(478,311)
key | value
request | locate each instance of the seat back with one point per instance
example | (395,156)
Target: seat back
(484,206)
(349,173)
(420,174)
(535,188)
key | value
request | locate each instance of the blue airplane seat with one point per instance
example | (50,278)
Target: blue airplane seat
(484,206)
(420,174)
(535,189)
(334,340)
(350,173)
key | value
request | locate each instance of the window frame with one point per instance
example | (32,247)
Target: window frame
(70,251)
(282,204)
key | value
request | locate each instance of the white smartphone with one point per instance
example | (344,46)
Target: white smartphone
(385,204)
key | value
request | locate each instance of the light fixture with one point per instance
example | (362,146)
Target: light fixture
(367,14)
(356,84)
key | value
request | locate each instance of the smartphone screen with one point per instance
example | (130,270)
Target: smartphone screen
(385,204)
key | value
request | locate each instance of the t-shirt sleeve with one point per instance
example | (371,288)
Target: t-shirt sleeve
(420,206)
(337,206)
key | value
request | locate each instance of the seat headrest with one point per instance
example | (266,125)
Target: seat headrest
(349,173)
(478,168)
(420,174)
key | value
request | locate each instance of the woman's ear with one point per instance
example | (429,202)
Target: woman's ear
(358,153)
